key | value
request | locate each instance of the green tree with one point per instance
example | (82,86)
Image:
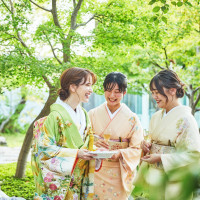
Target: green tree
(142,43)
(20,49)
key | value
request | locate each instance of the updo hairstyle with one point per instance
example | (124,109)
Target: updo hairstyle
(75,76)
(167,79)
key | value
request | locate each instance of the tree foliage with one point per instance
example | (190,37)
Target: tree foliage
(141,43)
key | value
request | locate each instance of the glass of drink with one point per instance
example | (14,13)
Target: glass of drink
(147,136)
(107,134)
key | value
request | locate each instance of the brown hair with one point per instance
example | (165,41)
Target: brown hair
(75,76)
(167,79)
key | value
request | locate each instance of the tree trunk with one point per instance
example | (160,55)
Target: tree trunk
(21,163)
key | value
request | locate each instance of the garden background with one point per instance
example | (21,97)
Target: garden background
(40,38)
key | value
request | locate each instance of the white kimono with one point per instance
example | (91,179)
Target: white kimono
(179,131)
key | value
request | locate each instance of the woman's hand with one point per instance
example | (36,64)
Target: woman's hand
(116,156)
(101,144)
(145,146)
(85,155)
(152,158)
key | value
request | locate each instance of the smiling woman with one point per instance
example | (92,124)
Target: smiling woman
(122,131)
(174,133)
(61,141)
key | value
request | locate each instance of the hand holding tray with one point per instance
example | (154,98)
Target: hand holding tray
(103,154)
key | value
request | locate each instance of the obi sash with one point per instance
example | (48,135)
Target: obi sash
(115,144)
(160,149)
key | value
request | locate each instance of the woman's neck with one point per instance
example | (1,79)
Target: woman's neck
(72,102)
(113,108)
(172,105)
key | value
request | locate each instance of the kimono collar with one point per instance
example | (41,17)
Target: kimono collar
(77,116)
(177,108)
(74,138)
(112,114)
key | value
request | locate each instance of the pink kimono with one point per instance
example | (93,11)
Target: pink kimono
(115,178)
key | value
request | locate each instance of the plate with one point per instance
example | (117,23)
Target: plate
(103,154)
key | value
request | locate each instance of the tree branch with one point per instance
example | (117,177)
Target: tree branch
(12,36)
(187,94)
(157,65)
(74,3)
(6,6)
(197,100)
(18,33)
(196,89)
(166,57)
(154,63)
(12,7)
(54,13)
(83,24)
(8,39)
(40,6)
(53,50)
(47,81)
(74,14)
(23,43)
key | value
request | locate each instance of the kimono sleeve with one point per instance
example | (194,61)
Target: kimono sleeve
(131,155)
(54,157)
(187,145)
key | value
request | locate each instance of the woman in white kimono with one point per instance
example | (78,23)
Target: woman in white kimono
(115,178)
(174,133)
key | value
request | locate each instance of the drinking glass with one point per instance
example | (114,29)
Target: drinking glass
(147,136)
(107,134)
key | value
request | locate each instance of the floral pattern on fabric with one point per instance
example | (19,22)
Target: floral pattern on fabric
(57,172)
(181,125)
(54,185)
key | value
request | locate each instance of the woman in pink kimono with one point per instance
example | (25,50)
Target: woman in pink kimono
(115,178)
(175,139)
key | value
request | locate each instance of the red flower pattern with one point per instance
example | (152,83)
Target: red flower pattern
(52,186)
(57,198)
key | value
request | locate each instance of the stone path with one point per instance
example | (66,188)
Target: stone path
(10,154)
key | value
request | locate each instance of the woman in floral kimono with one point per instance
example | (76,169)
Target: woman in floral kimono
(60,157)
(175,139)
(114,179)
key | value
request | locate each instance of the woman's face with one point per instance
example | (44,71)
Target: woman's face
(161,100)
(114,96)
(84,90)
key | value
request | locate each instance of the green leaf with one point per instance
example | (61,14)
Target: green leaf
(164,9)
(152,2)
(188,3)
(173,3)
(163,1)
(156,9)
(179,4)
(154,18)
(164,19)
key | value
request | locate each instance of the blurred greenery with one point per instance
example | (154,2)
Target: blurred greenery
(12,186)
(13,139)
(184,183)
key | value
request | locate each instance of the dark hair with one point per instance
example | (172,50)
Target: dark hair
(75,76)
(167,79)
(114,78)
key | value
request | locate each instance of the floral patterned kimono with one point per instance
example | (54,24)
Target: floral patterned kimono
(175,136)
(115,178)
(58,173)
